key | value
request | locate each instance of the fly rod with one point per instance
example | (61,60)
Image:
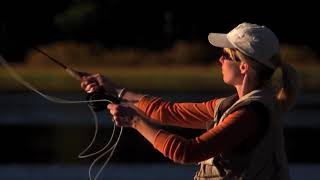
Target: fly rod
(75,74)
(100,94)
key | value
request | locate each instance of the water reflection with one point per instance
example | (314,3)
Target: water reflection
(30,108)
(47,131)
(128,171)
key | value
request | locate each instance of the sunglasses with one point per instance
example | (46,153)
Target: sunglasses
(226,56)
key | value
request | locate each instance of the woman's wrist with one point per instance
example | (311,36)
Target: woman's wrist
(121,92)
(128,96)
(138,122)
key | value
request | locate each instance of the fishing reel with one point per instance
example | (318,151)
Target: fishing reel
(101,95)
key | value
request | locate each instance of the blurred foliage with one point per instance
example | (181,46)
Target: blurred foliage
(187,79)
(76,17)
(181,53)
(299,55)
(172,69)
(184,52)
(67,52)
(160,78)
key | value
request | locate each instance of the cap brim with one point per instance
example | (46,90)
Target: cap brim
(219,40)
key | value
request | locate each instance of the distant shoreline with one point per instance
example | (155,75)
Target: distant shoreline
(186,79)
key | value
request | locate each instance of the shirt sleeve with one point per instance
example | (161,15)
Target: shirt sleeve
(188,115)
(227,135)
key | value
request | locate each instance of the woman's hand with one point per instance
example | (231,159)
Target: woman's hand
(94,82)
(124,115)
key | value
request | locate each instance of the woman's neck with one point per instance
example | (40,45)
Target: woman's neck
(241,92)
(247,85)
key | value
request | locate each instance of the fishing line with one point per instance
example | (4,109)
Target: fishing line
(49,98)
(112,149)
(64,101)
(82,154)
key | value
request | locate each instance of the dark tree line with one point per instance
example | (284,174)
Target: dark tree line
(144,24)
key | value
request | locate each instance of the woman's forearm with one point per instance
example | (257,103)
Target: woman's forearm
(147,129)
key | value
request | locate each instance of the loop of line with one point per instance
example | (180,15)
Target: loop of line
(64,101)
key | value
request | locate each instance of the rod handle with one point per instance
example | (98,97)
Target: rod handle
(75,74)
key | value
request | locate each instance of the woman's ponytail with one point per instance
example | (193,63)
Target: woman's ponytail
(287,94)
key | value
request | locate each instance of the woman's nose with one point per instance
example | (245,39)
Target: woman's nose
(221,60)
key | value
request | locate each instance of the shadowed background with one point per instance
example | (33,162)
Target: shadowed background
(154,47)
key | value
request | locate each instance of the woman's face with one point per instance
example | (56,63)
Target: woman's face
(230,69)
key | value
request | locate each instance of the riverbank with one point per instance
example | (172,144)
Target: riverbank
(143,78)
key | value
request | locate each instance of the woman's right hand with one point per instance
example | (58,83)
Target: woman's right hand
(124,115)
(94,82)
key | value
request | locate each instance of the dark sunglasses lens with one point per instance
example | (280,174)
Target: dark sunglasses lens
(225,56)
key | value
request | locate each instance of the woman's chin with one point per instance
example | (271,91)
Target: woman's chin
(227,82)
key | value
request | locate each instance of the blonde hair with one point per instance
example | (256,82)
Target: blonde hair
(287,94)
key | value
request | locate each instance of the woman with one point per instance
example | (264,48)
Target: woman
(244,138)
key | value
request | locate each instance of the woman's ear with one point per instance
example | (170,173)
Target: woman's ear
(244,68)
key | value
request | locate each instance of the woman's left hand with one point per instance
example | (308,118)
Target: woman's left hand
(124,115)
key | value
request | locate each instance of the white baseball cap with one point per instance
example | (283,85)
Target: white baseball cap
(255,41)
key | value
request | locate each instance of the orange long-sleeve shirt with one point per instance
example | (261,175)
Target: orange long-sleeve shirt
(242,128)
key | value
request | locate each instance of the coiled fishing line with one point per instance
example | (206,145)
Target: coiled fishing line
(64,101)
